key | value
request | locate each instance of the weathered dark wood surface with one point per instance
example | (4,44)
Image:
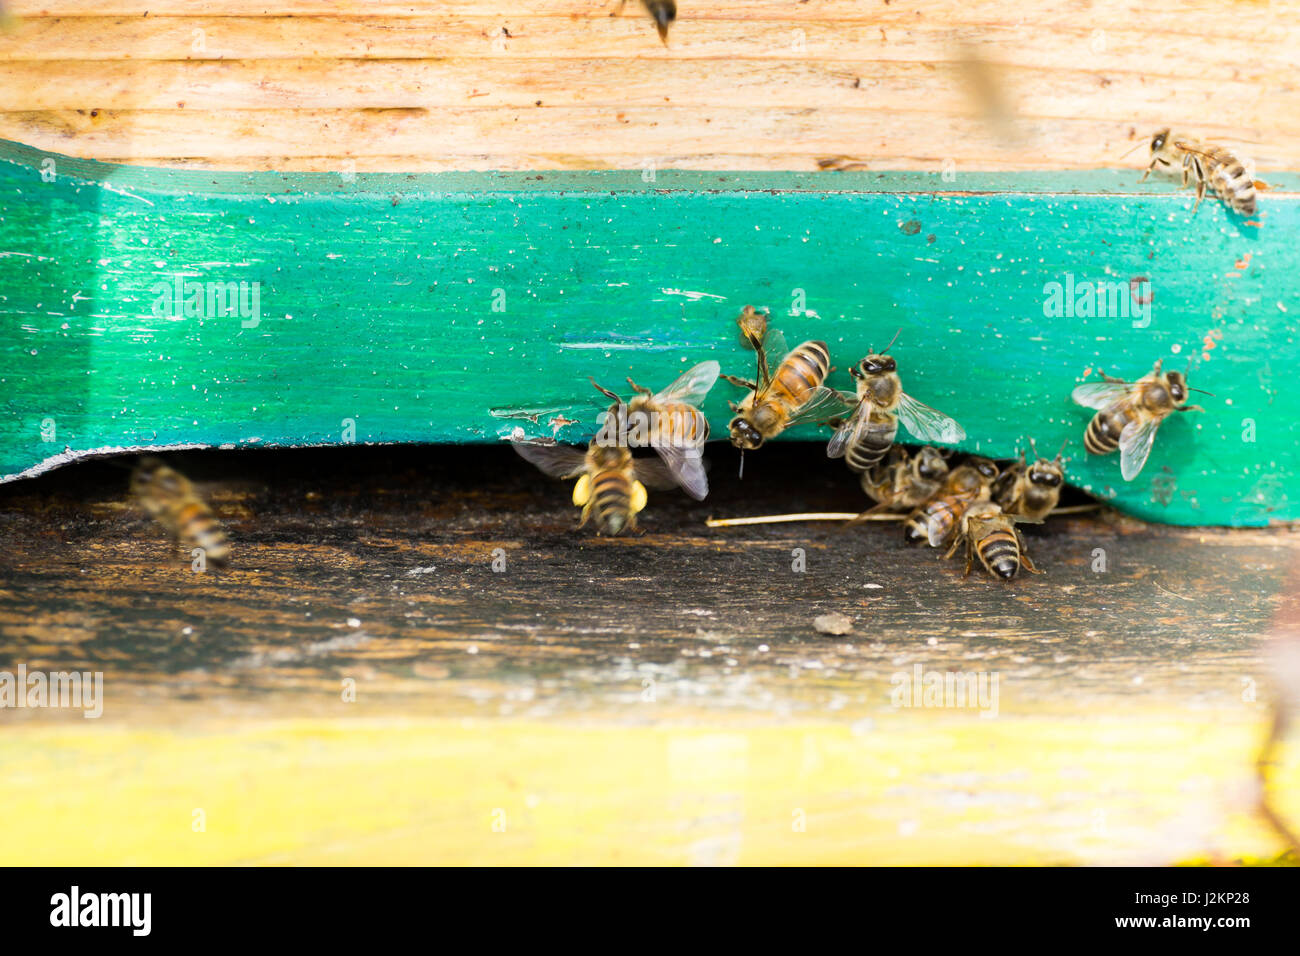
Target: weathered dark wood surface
(376,565)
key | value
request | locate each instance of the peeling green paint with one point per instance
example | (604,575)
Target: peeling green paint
(455,307)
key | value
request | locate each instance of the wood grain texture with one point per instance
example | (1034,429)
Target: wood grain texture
(751,85)
(659,698)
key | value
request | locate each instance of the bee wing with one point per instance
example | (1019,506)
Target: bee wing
(655,474)
(1099,395)
(772,352)
(558,461)
(822,404)
(775,347)
(846,435)
(928,424)
(934,531)
(692,386)
(686,468)
(1135,443)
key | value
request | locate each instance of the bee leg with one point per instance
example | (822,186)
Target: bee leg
(739,381)
(1148,172)
(970,557)
(1026,563)
(863,516)
(952,548)
(1200,194)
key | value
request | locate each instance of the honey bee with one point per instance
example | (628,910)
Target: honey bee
(664,12)
(903,482)
(939,519)
(1209,165)
(794,393)
(993,535)
(669,422)
(863,439)
(753,327)
(168,497)
(611,488)
(1129,413)
(1031,491)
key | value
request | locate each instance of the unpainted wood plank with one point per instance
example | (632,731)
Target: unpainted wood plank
(479,82)
(1264,20)
(167,38)
(566,137)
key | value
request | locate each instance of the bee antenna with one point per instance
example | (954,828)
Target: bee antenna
(1034,448)
(1140,142)
(891,342)
(741,475)
(1202,391)
(604,391)
(1062,451)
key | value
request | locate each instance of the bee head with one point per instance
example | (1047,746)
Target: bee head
(930,464)
(744,435)
(985,467)
(874,365)
(1177,387)
(1046,474)
(1158,141)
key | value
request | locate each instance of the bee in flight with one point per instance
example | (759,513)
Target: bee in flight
(1209,165)
(939,519)
(1031,491)
(992,534)
(611,488)
(168,497)
(668,421)
(903,481)
(867,434)
(1129,413)
(664,12)
(788,396)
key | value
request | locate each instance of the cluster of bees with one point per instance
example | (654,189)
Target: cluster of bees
(975,503)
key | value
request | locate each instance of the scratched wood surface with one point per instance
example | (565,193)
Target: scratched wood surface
(662,698)
(754,84)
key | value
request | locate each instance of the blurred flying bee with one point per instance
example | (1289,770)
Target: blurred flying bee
(880,403)
(1129,413)
(664,12)
(1031,491)
(992,535)
(792,394)
(903,482)
(1208,164)
(939,519)
(611,488)
(168,497)
(669,422)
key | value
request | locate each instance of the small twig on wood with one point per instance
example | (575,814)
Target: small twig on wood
(808,516)
(850,516)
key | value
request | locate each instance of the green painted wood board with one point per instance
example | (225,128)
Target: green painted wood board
(455,307)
